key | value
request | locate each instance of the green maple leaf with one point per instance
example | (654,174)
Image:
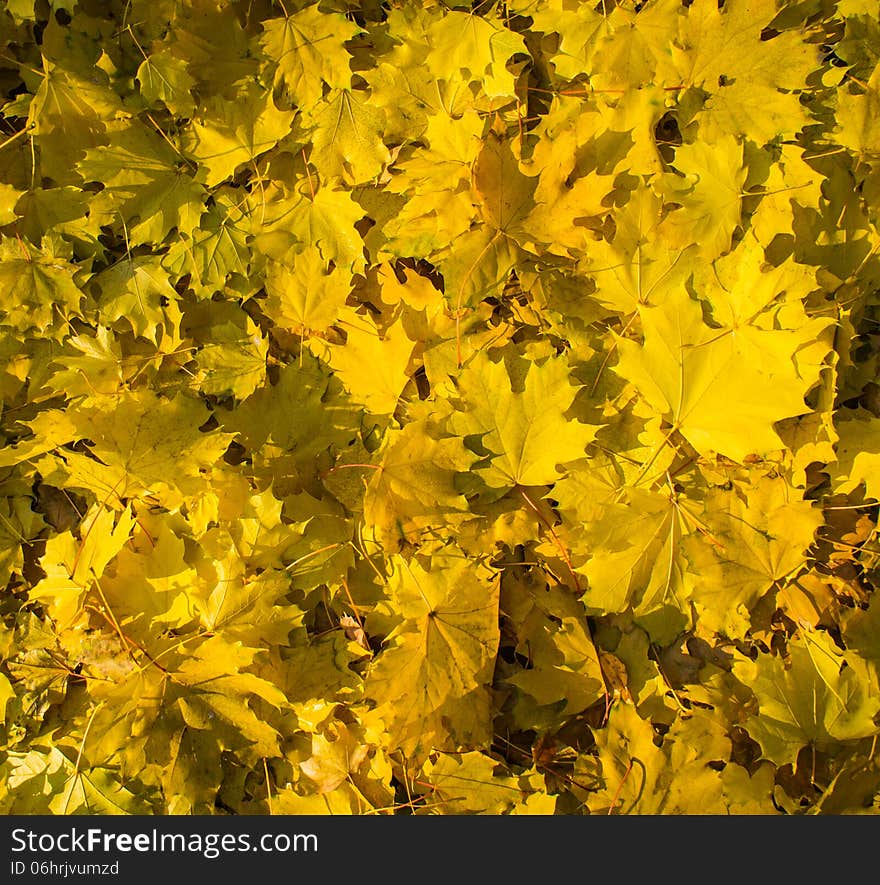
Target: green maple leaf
(524,431)
(813,699)
(430,680)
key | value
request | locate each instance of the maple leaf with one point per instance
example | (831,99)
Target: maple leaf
(163,77)
(860,633)
(634,50)
(464,45)
(431,677)
(387,353)
(505,193)
(57,211)
(303,413)
(523,431)
(151,581)
(137,291)
(634,557)
(707,381)
(69,112)
(811,700)
(71,567)
(133,438)
(579,30)
(709,195)
(742,285)
(750,83)
(434,179)
(143,185)
(414,485)
(18,524)
(858,450)
(235,132)
(334,757)
(325,219)
(51,783)
(792,183)
(233,359)
(752,537)
(219,53)
(37,283)
(307,50)
(304,293)
(346,135)
(92,365)
(857,118)
(217,250)
(637,266)
(575,172)
(564,673)
(471,783)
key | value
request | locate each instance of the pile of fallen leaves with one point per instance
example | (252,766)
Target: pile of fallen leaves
(417,407)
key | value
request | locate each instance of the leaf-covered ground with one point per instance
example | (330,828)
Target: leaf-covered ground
(412,407)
